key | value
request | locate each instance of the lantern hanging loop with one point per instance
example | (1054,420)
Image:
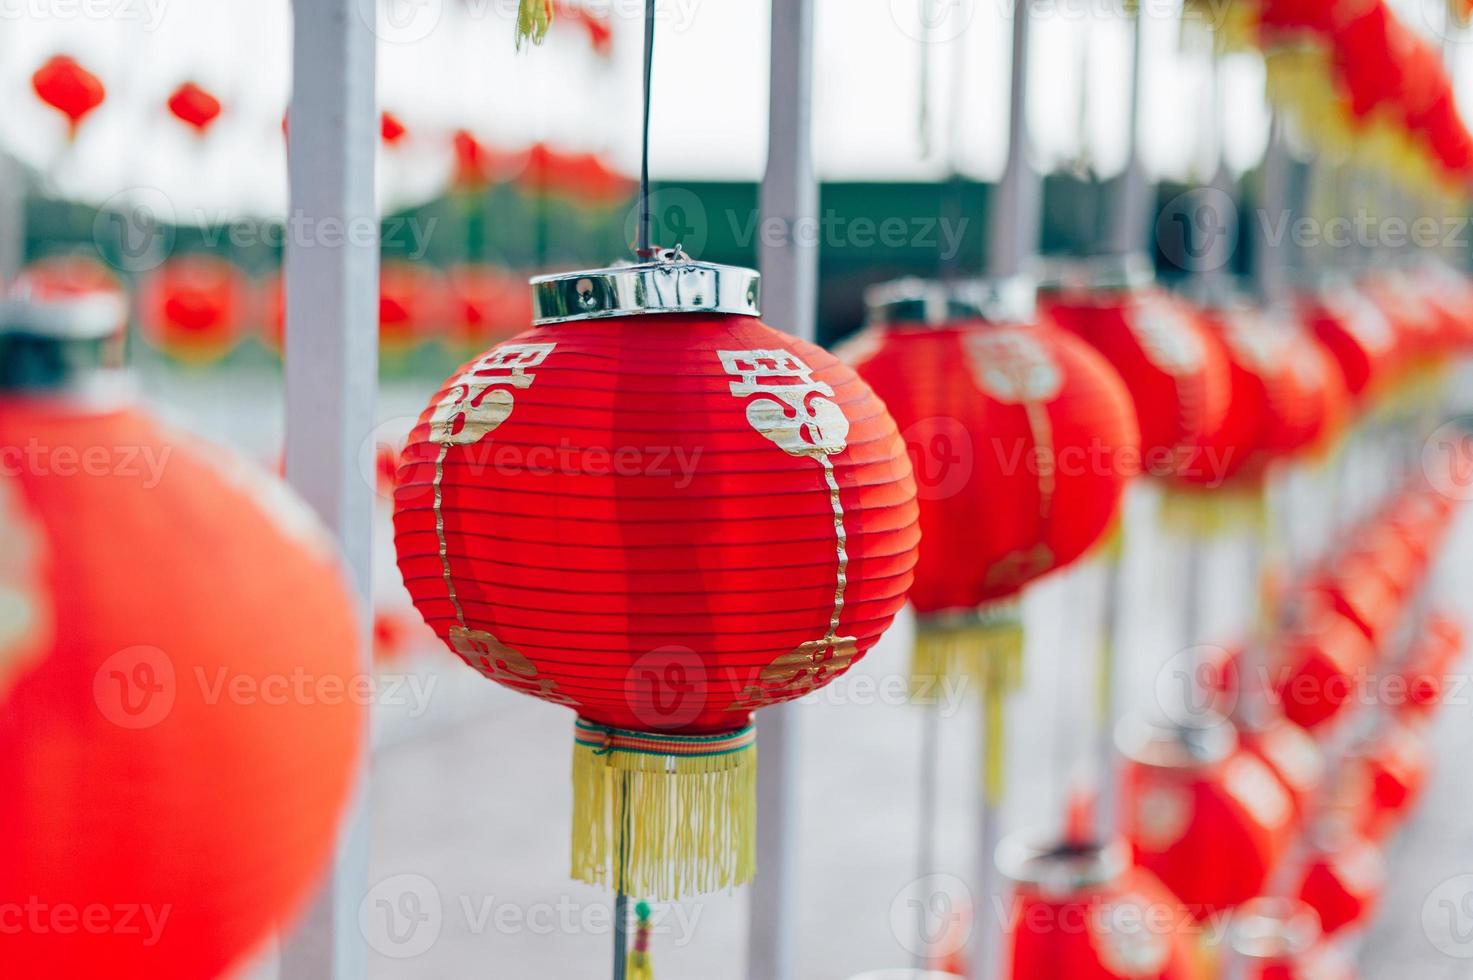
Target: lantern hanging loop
(642,247)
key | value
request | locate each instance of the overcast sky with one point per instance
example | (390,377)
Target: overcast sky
(450,63)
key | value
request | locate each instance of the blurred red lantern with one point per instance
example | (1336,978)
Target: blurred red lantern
(70,276)
(1360,592)
(1432,660)
(663,516)
(411,305)
(1082,911)
(68,88)
(477,165)
(194,107)
(595,25)
(1418,325)
(1291,753)
(1385,777)
(391,130)
(1355,332)
(1280,939)
(1022,439)
(582,177)
(177,758)
(1179,380)
(193,307)
(1320,660)
(488,304)
(1343,878)
(1271,403)
(1207,818)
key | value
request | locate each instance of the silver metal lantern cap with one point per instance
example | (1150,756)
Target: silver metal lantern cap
(1209,739)
(932,303)
(56,339)
(1274,929)
(1060,868)
(670,282)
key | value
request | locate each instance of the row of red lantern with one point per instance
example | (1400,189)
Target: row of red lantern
(1213,813)
(1355,77)
(197,308)
(67,87)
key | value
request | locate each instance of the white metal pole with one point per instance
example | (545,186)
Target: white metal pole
(331,377)
(789,266)
(1012,233)
(1127,232)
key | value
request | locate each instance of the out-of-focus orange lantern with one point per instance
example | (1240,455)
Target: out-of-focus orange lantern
(68,88)
(488,305)
(193,308)
(1344,875)
(192,105)
(1022,438)
(1082,911)
(1355,332)
(1281,939)
(1291,753)
(1384,777)
(1207,818)
(1179,380)
(177,754)
(1320,659)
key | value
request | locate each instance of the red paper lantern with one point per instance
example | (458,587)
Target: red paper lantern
(1385,778)
(1207,818)
(580,177)
(1271,407)
(1292,754)
(1321,659)
(477,165)
(68,88)
(193,308)
(1280,939)
(1022,439)
(177,757)
(1431,662)
(1343,878)
(1180,381)
(661,512)
(1355,332)
(1082,911)
(411,305)
(194,107)
(391,130)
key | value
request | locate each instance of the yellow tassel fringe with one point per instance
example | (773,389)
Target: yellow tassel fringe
(690,820)
(1215,513)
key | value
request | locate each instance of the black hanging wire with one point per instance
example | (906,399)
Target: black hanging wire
(642,247)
